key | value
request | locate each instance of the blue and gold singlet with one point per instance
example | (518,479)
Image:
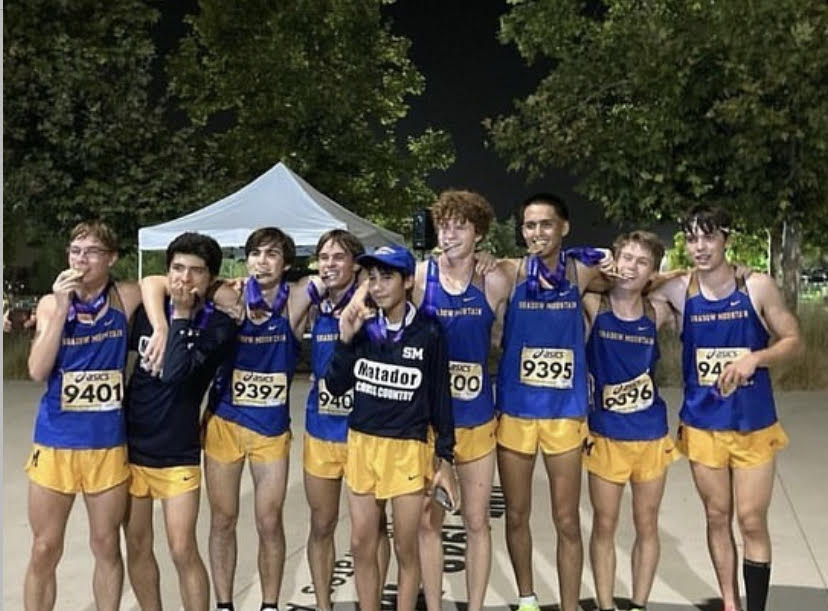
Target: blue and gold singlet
(621,356)
(467,321)
(83,404)
(252,389)
(542,372)
(715,333)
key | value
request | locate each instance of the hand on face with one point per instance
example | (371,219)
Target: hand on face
(67,283)
(355,313)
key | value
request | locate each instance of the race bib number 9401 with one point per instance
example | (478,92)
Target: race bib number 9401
(465,380)
(91,391)
(256,389)
(631,396)
(711,362)
(547,367)
(332,405)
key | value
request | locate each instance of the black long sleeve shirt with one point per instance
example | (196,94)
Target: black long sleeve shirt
(162,413)
(399,387)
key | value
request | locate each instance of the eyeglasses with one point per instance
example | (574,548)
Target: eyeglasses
(90,252)
(544,225)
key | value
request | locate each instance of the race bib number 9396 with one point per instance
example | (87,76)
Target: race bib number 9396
(631,396)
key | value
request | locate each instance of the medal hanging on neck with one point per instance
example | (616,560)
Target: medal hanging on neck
(93,307)
(537,269)
(254,300)
(377,327)
(202,317)
(557,278)
(327,308)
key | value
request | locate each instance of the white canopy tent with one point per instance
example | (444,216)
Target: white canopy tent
(276,198)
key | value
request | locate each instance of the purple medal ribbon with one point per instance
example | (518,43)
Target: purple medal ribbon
(325,306)
(377,328)
(202,317)
(429,305)
(92,307)
(254,299)
(536,267)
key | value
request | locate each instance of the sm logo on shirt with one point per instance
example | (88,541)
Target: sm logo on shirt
(412,353)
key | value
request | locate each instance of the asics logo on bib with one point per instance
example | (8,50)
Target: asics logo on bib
(92,377)
(395,376)
(411,353)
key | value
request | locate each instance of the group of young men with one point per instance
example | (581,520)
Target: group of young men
(402,406)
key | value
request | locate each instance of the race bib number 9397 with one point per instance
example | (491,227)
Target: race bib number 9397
(256,389)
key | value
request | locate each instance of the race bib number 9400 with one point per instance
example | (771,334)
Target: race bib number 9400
(332,405)
(631,396)
(465,380)
(256,389)
(91,391)
(547,367)
(711,362)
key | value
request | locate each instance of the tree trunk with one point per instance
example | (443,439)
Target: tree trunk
(791,260)
(775,252)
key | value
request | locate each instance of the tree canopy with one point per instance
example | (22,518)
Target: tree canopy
(319,84)
(660,104)
(94,125)
(83,134)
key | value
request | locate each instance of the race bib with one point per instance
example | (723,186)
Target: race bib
(465,380)
(256,389)
(331,405)
(91,391)
(547,367)
(711,362)
(631,396)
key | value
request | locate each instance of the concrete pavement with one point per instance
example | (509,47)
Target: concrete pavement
(685,580)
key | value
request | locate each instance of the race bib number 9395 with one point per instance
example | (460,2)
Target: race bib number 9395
(547,367)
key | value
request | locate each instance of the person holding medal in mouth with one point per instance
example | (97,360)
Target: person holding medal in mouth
(729,430)
(628,439)
(468,305)
(162,411)
(79,350)
(542,390)
(326,417)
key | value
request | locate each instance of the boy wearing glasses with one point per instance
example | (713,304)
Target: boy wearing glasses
(79,350)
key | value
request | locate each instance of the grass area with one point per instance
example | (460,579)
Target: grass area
(808,372)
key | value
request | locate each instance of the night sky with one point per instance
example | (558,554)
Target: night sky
(469,76)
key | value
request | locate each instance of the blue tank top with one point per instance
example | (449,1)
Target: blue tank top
(714,333)
(83,404)
(252,389)
(326,416)
(621,356)
(467,321)
(543,372)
